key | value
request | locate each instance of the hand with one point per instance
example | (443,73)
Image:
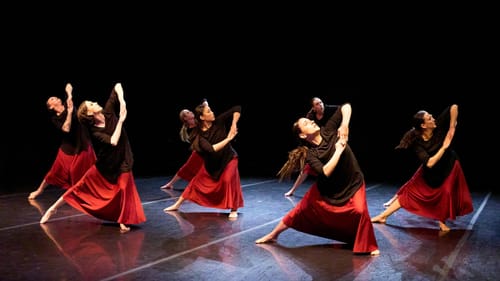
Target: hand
(341,143)
(343,132)
(69,90)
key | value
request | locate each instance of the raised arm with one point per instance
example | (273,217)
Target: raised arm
(343,130)
(232,132)
(66,127)
(123,115)
(447,140)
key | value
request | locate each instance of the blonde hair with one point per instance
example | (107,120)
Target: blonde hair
(183,133)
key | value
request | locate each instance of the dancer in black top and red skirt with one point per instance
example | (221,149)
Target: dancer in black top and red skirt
(335,205)
(75,154)
(107,191)
(217,184)
(438,189)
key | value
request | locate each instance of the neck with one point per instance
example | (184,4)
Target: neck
(316,140)
(426,135)
(206,125)
(99,120)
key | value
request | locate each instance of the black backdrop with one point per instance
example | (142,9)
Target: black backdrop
(272,75)
(270,102)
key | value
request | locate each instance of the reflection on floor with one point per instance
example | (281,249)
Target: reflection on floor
(197,243)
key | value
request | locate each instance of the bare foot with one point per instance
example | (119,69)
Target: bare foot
(124,228)
(233,215)
(375,253)
(34,194)
(443,227)
(167,186)
(171,208)
(378,219)
(48,214)
(289,193)
(266,239)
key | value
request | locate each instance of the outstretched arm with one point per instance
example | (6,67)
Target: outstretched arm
(123,115)
(447,140)
(66,127)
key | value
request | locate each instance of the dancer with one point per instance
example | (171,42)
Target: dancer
(217,184)
(194,162)
(107,191)
(319,113)
(438,189)
(335,206)
(75,154)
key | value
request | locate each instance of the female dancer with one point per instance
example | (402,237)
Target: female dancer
(75,154)
(194,162)
(335,206)
(438,189)
(217,184)
(107,191)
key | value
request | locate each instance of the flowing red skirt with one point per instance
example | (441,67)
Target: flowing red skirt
(191,167)
(95,196)
(224,193)
(448,201)
(69,169)
(349,223)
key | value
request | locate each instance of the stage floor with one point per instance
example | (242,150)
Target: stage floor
(198,243)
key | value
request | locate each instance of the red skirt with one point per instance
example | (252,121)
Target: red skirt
(448,201)
(191,167)
(224,193)
(69,169)
(349,223)
(95,196)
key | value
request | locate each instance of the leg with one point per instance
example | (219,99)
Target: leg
(39,191)
(273,235)
(300,179)
(382,217)
(170,184)
(388,203)
(52,210)
(176,205)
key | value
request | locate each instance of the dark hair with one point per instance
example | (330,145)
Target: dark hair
(194,137)
(410,136)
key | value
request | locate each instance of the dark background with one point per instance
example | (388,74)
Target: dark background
(272,71)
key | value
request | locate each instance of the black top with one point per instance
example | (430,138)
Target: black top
(328,112)
(216,162)
(74,141)
(435,176)
(347,176)
(111,160)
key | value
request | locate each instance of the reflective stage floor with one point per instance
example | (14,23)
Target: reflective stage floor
(198,243)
